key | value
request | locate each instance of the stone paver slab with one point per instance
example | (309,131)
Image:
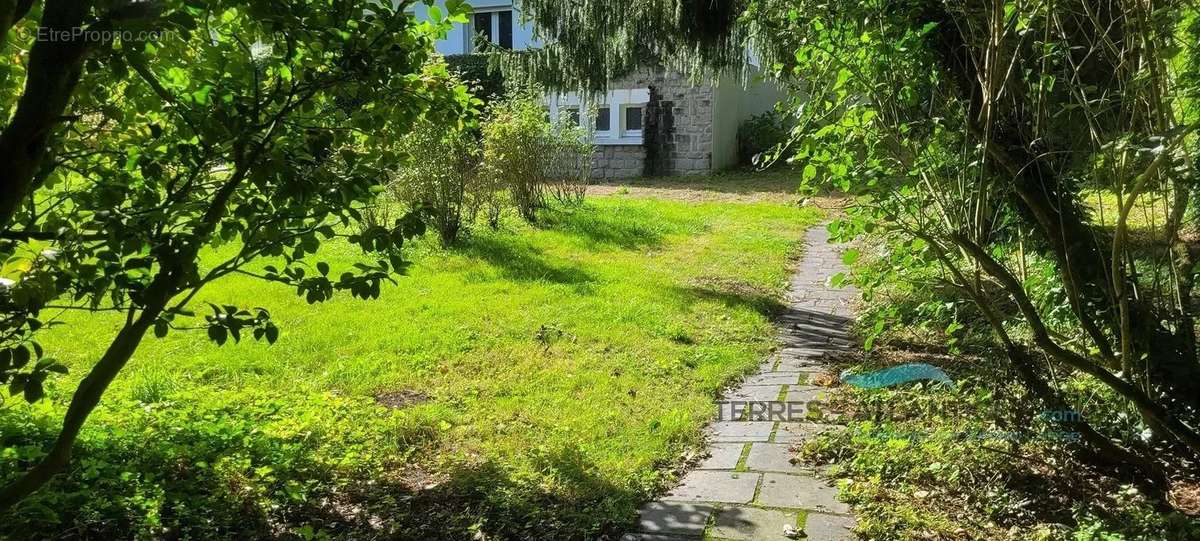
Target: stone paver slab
(813,353)
(757,393)
(716,486)
(735,431)
(723,456)
(772,457)
(823,527)
(800,432)
(807,368)
(674,518)
(807,393)
(658,537)
(799,492)
(751,524)
(800,365)
(775,378)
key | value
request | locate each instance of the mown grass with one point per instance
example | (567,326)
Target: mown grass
(553,375)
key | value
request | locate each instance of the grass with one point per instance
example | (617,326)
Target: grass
(550,378)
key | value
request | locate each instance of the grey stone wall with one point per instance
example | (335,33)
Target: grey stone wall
(683,145)
(678,130)
(618,161)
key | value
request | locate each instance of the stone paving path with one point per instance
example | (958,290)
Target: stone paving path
(748,489)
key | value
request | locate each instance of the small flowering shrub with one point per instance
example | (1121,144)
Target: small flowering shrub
(531,156)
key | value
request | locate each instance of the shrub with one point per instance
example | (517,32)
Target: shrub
(528,155)
(568,166)
(761,139)
(441,179)
(486,84)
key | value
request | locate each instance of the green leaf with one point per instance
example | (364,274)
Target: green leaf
(810,172)
(842,76)
(20,355)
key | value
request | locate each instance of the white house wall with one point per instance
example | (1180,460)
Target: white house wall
(734,104)
(727,116)
(457,42)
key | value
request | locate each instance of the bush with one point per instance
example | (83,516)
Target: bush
(442,179)
(568,166)
(528,155)
(761,139)
(487,84)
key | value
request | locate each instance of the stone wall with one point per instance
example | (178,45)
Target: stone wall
(677,130)
(684,139)
(618,161)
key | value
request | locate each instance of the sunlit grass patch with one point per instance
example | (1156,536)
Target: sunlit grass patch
(563,369)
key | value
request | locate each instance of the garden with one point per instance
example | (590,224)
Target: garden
(279,270)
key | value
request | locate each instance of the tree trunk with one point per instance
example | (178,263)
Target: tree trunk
(53,71)
(1055,214)
(87,395)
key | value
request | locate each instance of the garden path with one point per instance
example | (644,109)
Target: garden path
(748,488)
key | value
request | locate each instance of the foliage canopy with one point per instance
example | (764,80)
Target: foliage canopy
(262,125)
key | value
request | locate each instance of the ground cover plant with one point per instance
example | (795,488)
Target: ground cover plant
(984,459)
(536,382)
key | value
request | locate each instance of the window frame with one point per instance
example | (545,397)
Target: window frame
(608,132)
(494,28)
(625,131)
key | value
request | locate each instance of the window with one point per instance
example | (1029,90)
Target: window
(506,29)
(603,119)
(495,27)
(481,30)
(633,120)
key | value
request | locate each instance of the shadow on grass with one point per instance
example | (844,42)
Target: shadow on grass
(220,478)
(733,294)
(518,260)
(487,499)
(625,227)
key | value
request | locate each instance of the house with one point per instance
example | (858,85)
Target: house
(650,123)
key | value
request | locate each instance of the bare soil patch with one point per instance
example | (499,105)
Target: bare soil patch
(740,186)
(402,398)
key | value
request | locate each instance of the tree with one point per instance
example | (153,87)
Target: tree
(589,44)
(969,131)
(263,125)
(983,126)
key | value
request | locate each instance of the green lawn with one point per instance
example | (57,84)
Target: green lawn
(551,378)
